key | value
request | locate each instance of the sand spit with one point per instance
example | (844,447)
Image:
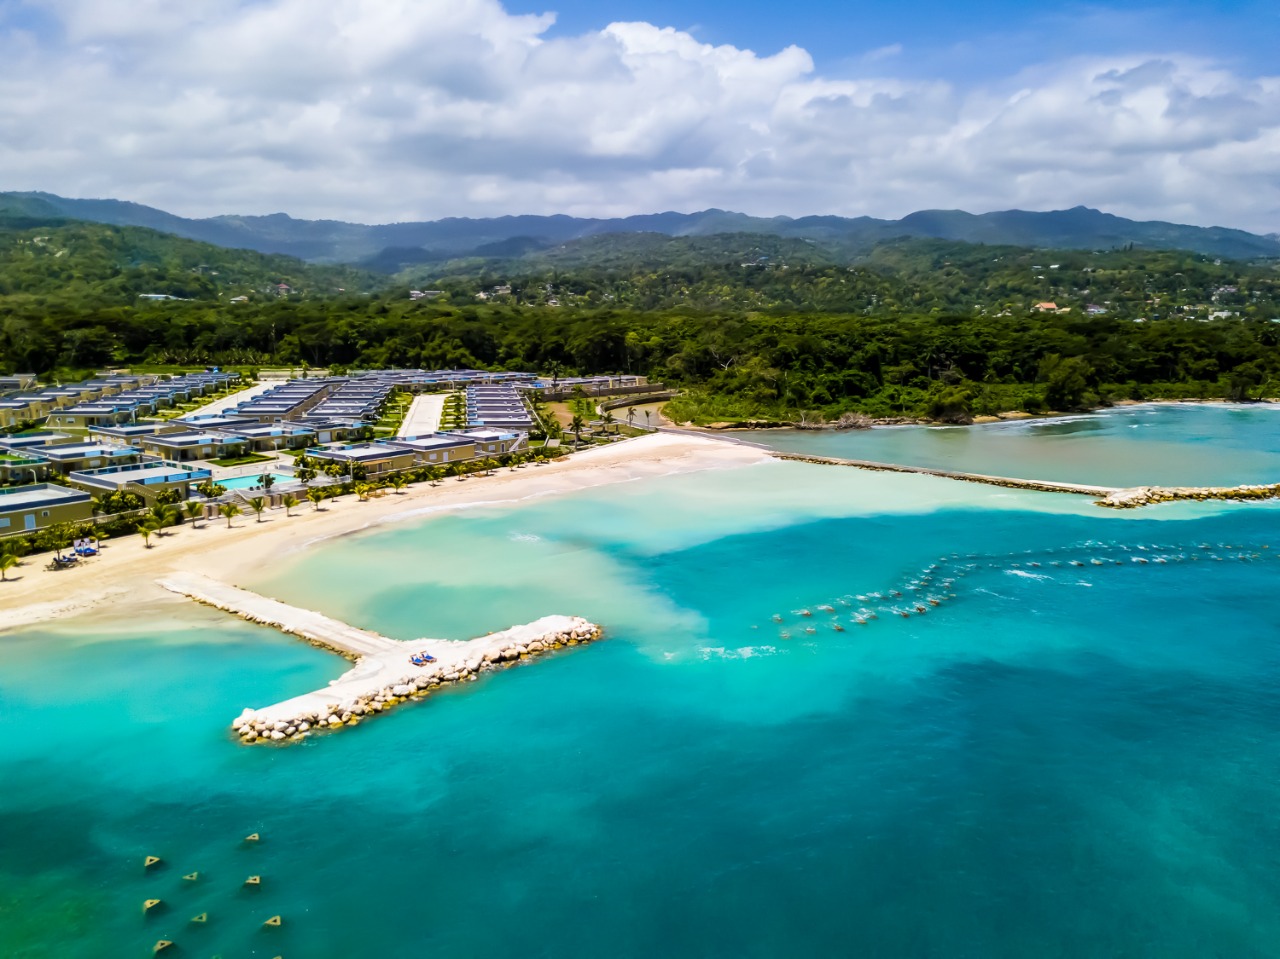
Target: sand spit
(385,671)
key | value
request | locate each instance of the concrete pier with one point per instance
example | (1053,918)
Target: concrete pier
(309,625)
(383,674)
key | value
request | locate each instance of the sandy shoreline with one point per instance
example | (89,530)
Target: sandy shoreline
(126,571)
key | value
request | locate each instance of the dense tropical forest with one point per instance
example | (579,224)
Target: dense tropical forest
(749,327)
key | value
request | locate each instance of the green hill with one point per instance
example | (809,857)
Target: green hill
(89,263)
(333,241)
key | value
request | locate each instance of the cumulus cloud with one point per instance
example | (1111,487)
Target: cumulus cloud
(378,110)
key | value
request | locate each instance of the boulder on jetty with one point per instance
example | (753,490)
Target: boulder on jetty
(1149,495)
(379,681)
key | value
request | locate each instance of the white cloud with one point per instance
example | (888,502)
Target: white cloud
(377,110)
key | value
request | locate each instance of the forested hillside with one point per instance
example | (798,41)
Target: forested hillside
(333,241)
(751,327)
(749,272)
(82,264)
(736,365)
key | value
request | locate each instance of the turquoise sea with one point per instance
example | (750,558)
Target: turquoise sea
(1169,444)
(1057,760)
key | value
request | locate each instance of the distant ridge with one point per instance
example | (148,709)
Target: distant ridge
(333,241)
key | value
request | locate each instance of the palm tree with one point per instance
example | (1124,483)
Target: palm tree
(194,511)
(631,416)
(145,530)
(647,414)
(608,419)
(435,474)
(576,426)
(258,504)
(266,481)
(315,496)
(7,562)
(398,482)
(162,516)
(362,491)
(288,501)
(229,510)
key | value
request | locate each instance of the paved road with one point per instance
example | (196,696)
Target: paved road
(235,399)
(424,415)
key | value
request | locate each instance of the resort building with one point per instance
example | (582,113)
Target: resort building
(16,382)
(93,414)
(436,449)
(193,445)
(288,401)
(489,442)
(147,479)
(74,457)
(14,412)
(332,431)
(269,438)
(17,467)
(43,438)
(132,434)
(499,407)
(376,458)
(39,505)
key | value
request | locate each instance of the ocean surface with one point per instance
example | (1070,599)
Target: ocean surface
(1073,753)
(1169,444)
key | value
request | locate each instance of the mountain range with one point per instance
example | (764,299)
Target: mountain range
(393,246)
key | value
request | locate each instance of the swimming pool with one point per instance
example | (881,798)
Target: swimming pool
(255,479)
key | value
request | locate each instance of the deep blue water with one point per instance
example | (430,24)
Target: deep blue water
(1054,761)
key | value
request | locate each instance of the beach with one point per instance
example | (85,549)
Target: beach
(127,569)
(736,731)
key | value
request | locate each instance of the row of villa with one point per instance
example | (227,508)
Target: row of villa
(114,398)
(99,441)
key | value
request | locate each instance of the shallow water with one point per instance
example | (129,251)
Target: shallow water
(1055,760)
(1156,444)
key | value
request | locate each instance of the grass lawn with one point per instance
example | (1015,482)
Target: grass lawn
(242,460)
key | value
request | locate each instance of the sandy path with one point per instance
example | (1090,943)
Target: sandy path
(126,571)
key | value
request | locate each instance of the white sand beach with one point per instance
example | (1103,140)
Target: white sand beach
(126,571)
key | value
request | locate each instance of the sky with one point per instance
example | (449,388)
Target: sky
(394,110)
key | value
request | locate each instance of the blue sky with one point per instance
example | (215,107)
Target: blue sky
(962,40)
(383,110)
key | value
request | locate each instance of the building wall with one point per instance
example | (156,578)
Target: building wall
(16,521)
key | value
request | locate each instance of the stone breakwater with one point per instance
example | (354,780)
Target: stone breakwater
(384,674)
(1107,496)
(375,686)
(1045,486)
(1150,495)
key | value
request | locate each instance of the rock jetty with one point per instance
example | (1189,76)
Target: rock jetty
(1106,496)
(1150,495)
(385,673)
(376,685)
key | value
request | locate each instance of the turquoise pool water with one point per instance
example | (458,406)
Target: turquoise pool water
(1166,444)
(1060,760)
(247,482)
